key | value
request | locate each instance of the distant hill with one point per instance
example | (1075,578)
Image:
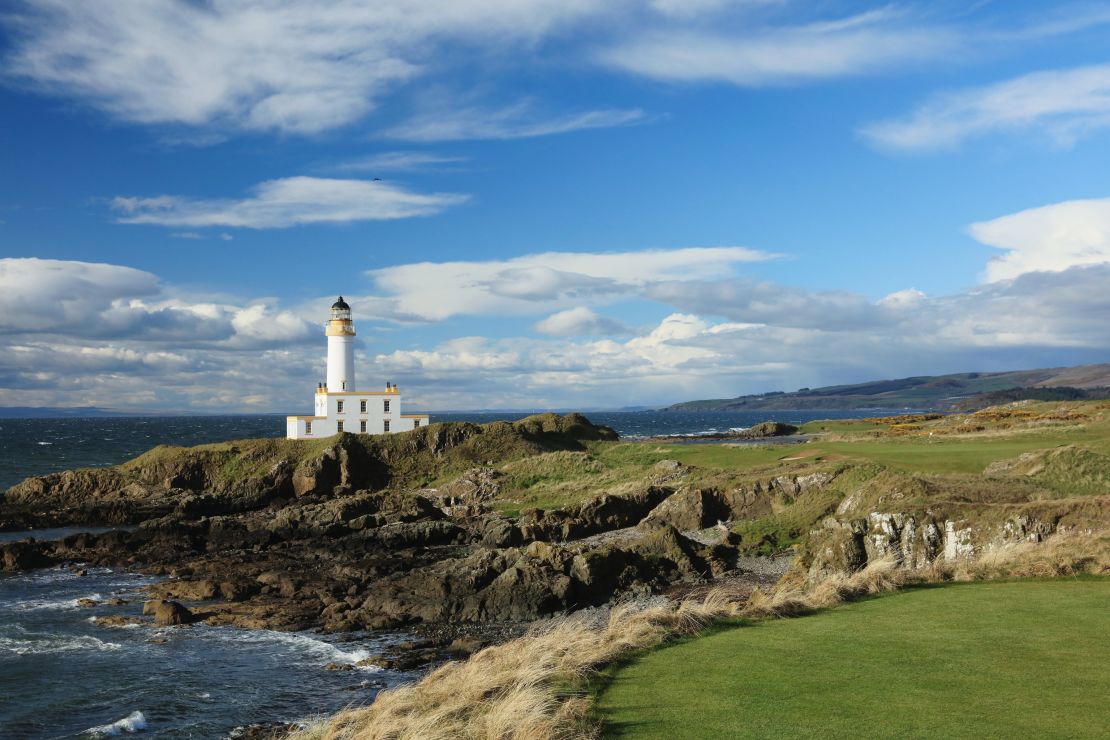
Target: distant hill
(959,391)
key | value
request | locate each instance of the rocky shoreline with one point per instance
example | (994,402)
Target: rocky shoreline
(342,541)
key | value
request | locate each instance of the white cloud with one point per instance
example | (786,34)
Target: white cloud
(39,294)
(867,43)
(1050,238)
(287,202)
(75,333)
(903,299)
(579,321)
(1046,319)
(517,121)
(537,283)
(399,162)
(102,302)
(257,65)
(1064,104)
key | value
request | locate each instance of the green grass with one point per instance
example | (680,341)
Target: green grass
(1001,659)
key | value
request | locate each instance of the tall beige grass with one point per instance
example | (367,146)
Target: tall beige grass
(527,689)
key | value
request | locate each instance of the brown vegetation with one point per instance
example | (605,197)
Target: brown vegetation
(531,688)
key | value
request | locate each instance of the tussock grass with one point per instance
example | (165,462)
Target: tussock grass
(532,688)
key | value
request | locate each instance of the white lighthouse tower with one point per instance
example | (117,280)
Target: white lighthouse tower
(340,406)
(341,348)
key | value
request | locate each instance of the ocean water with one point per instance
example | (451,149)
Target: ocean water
(61,675)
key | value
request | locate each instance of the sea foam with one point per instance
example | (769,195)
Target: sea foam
(131,723)
(305,646)
(42,644)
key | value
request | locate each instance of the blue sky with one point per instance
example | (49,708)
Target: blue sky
(535,203)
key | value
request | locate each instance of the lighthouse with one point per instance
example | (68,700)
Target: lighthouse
(340,406)
(341,348)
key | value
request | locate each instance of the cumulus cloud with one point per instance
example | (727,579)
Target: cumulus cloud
(285,202)
(1063,104)
(543,282)
(103,301)
(866,43)
(1050,238)
(44,295)
(517,121)
(579,321)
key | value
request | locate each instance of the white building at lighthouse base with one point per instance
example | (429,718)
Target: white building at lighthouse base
(359,412)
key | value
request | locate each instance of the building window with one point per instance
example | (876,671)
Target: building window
(308,427)
(340,407)
(340,422)
(362,426)
(362,406)
(415,423)
(386,425)
(385,406)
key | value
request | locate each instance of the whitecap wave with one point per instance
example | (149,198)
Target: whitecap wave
(312,649)
(131,723)
(33,605)
(42,644)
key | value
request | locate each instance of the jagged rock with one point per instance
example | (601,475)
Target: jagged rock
(115,620)
(501,533)
(601,514)
(86,602)
(475,486)
(339,667)
(465,646)
(770,429)
(691,509)
(23,556)
(167,613)
(202,590)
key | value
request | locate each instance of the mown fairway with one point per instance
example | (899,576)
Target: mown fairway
(1004,659)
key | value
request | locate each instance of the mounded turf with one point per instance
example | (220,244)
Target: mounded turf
(1003,659)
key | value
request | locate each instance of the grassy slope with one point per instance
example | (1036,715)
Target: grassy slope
(960,444)
(974,660)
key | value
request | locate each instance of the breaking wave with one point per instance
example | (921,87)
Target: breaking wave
(30,643)
(131,723)
(312,649)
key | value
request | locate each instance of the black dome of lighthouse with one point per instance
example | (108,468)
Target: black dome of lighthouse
(341,304)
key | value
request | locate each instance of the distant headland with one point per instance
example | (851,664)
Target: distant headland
(956,392)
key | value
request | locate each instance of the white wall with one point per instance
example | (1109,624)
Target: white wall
(352,416)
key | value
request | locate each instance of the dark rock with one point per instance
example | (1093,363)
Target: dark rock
(465,646)
(167,613)
(770,429)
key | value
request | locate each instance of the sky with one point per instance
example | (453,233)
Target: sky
(545,203)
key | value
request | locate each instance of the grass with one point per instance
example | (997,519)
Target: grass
(953,445)
(538,686)
(968,660)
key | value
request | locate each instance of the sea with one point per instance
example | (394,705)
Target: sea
(62,675)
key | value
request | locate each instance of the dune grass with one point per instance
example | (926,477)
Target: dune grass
(1028,658)
(538,686)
